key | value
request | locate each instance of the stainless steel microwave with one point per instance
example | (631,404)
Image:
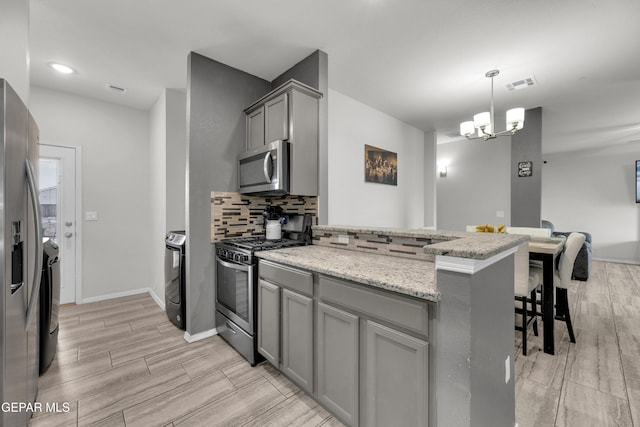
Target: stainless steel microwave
(265,170)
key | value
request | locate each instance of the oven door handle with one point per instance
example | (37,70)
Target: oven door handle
(233,265)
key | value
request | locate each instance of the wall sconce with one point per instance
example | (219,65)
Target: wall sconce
(442,167)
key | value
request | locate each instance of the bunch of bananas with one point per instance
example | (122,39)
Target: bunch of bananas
(488,228)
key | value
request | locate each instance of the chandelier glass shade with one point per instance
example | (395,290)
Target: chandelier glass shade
(483,123)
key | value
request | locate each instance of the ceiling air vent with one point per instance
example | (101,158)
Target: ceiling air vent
(522,83)
(115,88)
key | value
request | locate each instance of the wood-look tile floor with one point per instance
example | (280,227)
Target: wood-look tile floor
(122,363)
(596,381)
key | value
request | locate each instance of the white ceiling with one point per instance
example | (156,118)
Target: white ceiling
(421,61)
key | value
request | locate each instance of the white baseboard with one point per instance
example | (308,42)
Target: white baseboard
(619,261)
(187,337)
(157,299)
(200,335)
(115,295)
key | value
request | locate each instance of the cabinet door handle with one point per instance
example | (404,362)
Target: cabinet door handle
(265,167)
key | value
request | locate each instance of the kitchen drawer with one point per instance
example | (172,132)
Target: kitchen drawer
(287,277)
(395,309)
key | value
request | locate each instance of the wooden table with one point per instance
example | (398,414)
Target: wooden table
(546,250)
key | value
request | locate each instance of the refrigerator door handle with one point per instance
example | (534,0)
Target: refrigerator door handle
(37,270)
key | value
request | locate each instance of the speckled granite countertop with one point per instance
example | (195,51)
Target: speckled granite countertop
(401,275)
(451,243)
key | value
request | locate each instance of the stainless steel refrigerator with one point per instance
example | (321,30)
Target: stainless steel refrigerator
(21,254)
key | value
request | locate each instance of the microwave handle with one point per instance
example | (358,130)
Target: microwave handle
(265,167)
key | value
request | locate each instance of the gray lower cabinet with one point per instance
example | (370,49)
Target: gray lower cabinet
(269,321)
(395,381)
(297,338)
(366,348)
(338,362)
(285,321)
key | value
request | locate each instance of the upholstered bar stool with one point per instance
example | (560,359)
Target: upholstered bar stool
(533,232)
(524,289)
(562,279)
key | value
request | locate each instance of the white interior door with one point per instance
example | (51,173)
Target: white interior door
(58,203)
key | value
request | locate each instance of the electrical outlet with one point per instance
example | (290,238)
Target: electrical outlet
(343,239)
(500,214)
(91,216)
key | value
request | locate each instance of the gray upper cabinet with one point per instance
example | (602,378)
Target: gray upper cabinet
(289,113)
(276,119)
(255,128)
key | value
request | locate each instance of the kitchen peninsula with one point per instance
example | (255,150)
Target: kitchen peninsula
(394,327)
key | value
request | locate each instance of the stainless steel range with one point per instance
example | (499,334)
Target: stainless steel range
(237,282)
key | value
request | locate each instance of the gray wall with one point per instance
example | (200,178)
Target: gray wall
(593,190)
(217,94)
(430,155)
(306,71)
(216,97)
(115,183)
(314,71)
(474,338)
(176,153)
(476,185)
(526,192)
(14,45)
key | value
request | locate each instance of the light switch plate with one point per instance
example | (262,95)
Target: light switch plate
(91,216)
(507,369)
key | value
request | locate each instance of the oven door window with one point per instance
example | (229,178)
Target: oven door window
(233,287)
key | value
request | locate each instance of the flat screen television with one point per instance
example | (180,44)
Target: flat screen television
(637,181)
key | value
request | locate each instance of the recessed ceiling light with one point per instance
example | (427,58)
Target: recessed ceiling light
(61,68)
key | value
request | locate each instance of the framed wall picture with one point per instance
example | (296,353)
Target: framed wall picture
(525,169)
(380,166)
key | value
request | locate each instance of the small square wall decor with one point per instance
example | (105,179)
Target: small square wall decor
(380,166)
(525,169)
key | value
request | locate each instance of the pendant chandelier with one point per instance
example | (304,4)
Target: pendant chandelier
(484,123)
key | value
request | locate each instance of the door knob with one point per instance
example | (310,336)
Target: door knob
(68,234)
(68,223)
